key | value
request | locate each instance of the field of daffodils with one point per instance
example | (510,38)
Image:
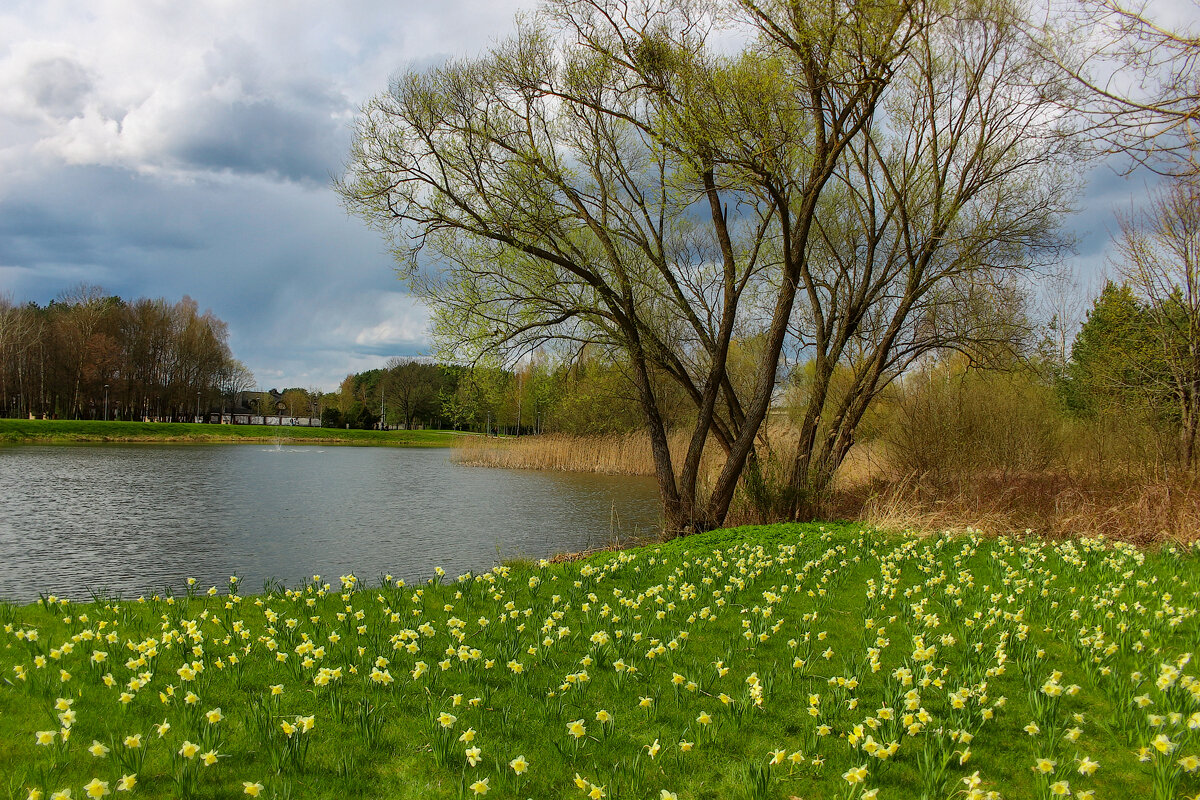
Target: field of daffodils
(789,661)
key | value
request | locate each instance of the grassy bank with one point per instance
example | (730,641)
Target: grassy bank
(770,662)
(69,431)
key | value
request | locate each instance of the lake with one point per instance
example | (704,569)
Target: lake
(140,518)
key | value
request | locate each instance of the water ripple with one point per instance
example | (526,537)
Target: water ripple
(140,518)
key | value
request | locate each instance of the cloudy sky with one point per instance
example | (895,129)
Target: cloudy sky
(160,148)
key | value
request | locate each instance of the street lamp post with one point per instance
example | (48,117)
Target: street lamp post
(197,405)
(106,402)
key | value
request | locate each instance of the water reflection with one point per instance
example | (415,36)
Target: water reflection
(138,518)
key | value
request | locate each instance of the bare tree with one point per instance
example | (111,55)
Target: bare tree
(411,387)
(606,177)
(1158,253)
(84,306)
(235,378)
(1140,79)
(17,327)
(943,212)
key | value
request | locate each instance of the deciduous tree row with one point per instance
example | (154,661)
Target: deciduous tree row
(87,355)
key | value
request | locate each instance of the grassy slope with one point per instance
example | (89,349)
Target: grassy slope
(830,572)
(68,431)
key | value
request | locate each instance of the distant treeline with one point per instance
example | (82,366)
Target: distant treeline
(87,355)
(587,395)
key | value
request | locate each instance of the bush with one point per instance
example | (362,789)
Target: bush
(949,423)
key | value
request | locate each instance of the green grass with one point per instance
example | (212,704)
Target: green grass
(16,431)
(1076,636)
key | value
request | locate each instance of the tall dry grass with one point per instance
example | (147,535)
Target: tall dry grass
(1052,504)
(993,457)
(994,451)
(614,454)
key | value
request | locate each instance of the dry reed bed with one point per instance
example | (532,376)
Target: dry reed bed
(624,454)
(1138,507)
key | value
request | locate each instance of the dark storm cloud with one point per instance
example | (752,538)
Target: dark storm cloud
(244,119)
(260,136)
(76,216)
(308,293)
(58,86)
(1112,188)
(167,149)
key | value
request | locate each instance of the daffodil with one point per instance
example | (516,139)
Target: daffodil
(855,775)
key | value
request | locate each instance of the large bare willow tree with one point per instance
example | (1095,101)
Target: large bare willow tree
(606,176)
(845,181)
(941,213)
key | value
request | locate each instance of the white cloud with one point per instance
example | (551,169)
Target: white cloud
(185,88)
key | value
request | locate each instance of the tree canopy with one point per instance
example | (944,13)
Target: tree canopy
(859,182)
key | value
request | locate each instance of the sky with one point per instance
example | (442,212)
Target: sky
(159,148)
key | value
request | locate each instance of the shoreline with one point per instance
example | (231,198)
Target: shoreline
(67,432)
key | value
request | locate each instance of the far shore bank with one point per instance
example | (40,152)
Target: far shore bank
(19,431)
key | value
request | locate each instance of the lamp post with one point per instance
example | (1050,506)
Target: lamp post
(197,405)
(106,402)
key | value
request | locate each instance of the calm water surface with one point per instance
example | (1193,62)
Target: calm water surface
(140,518)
